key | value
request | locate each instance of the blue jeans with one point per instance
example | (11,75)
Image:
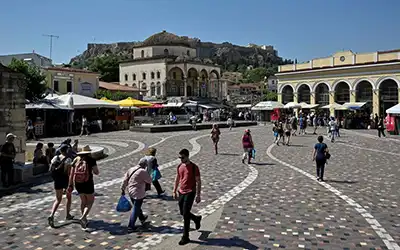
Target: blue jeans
(136,212)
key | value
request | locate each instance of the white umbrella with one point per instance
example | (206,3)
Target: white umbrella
(292,105)
(335,106)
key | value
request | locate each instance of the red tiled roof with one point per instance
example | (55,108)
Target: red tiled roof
(72,70)
(115,86)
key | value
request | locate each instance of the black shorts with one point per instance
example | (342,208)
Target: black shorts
(61,183)
(287,133)
(85,188)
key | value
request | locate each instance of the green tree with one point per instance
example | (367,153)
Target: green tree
(270,96)
(107,66)
(115,96)
(36,85)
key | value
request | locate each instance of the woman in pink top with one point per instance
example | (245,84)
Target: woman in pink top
(247,142)
(135,181)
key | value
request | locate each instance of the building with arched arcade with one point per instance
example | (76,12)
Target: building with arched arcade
(371,79)
(166,65)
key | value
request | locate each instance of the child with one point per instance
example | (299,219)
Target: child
(50,152)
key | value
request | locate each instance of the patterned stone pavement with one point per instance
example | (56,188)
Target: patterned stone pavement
(266,205)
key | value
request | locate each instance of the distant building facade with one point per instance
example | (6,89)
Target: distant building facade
(65,80)
(272,84)
(12,109)
(166,66)
(31,58)
(370,79)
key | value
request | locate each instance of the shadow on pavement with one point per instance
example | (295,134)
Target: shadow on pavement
(118,229)
(66,224)
(28,186)
(229,154)
(262,163)
(341,182)
(232,242)
(297,146)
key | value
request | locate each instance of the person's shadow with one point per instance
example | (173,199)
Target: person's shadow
(231,242)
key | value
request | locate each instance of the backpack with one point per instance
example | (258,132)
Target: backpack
(57,165)
(82,173)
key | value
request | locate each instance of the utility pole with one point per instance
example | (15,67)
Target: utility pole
(51,42)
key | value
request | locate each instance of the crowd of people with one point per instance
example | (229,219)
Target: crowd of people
(72,169)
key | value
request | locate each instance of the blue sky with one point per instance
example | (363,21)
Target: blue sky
(301,29)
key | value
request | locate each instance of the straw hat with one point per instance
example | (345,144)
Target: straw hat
(85,150)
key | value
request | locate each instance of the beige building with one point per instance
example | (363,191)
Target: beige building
(366,79)
(12,109)
(165,65)
(78,81)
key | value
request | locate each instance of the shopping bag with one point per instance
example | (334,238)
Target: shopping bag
(253,153)
(156,174)
(123,204)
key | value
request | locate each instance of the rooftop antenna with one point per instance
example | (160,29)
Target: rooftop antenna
(51,42)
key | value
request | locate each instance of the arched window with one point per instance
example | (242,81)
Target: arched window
(143,87)
(188,52)
(144,76)
(166,52)
(158,88)
(152,89)
(158,75)
(142,53)
(152,75)
(134,77)
(174,75)
(126,77)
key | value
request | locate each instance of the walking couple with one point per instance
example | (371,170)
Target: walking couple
(187,179)
(78,173)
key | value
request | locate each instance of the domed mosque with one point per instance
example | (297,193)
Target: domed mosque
(167,66)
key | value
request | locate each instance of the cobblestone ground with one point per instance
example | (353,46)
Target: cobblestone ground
(280,208)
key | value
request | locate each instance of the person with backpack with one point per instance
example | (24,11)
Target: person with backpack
(320,155)
(83,169)
(135,181)
(189,183)
(59,168)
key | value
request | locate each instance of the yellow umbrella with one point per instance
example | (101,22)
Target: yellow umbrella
(129,102)
(106,100)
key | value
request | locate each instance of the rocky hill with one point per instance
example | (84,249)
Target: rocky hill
(228,55)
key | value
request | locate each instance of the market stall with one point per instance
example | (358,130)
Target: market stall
(99,113)
(268,111)
(393,120)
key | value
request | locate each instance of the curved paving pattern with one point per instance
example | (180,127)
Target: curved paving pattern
(278,208)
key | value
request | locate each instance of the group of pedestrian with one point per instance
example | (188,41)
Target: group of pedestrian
(187,189)
(71,173)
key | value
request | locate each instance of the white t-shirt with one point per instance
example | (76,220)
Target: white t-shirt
(332,125)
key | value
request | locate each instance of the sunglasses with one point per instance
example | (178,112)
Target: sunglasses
(181,157)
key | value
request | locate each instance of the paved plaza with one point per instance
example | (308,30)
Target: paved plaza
(274,203)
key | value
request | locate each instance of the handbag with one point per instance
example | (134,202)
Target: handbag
(123,204)
(327,156)
(253,153)
(156,174)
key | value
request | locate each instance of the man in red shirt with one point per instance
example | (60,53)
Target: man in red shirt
(188,180)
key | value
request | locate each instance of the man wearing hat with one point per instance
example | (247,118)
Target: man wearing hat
(7,156)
